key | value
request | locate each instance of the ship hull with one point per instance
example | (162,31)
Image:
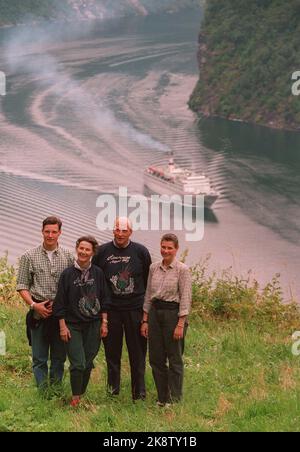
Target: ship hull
(162,187)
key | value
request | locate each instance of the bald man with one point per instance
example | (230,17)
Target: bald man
(126,268)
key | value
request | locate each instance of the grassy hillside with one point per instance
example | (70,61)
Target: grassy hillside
(240,374)
(248,52)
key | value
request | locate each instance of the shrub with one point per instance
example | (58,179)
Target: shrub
(236,297)
(8,293)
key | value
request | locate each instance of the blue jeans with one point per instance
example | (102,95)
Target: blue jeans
(42,344)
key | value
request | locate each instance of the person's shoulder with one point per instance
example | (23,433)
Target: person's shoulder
(68,271)
(104,247)
(182,267)
(97,270)
(32,252)
(155,265)
(140,247)
(66,252)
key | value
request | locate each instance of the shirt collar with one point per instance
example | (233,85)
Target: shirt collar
(56,251)
(121,247)
(83,270)
(172,265)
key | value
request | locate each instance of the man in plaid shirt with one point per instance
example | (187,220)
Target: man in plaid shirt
(37,282)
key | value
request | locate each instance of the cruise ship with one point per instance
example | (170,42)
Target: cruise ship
(173,180)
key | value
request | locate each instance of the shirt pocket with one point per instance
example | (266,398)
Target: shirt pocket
(39,271)
(55,273)
(38,274)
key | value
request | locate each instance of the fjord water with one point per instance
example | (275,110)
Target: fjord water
(90,105)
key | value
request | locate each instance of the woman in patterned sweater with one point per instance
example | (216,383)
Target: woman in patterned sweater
(81,306)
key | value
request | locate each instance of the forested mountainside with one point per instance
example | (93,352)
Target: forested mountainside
(21,11)
(248,52)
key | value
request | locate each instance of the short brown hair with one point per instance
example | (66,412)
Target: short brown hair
(88,238)
(170,238)
(52,220)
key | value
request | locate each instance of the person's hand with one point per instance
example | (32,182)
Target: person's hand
(145,330)
(65,334)
(43,309)
(178,333)
(104,330)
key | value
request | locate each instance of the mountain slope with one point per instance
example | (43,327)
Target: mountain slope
(248,51)
(16,11)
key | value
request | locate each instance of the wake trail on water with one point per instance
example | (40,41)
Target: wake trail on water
(66,149)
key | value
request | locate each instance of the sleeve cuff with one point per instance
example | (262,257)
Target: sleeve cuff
(146,308)
(22,287)
(184,313)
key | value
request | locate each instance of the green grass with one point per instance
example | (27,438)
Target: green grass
(238,377)
(240,373)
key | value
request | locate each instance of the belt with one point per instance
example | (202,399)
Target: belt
(165,305)
(40,301)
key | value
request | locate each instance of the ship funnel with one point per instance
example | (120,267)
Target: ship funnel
(171,165)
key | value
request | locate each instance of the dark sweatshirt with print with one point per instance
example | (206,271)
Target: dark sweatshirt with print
(81,299)
(126,271)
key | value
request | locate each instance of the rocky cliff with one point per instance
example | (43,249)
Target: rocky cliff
(248,54)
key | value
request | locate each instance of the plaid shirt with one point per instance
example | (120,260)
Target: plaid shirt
(170,284)
(40,276)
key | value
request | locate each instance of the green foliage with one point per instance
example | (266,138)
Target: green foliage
(240,373)
(234,297)
(7,282)
(238,377)
(16,11)
(248,53)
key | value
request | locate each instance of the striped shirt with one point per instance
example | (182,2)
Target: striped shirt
(39,275)
(170,284)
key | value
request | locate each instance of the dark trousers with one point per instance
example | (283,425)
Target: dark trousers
(44,339)
(166,354)
(82,349)
(130,323)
